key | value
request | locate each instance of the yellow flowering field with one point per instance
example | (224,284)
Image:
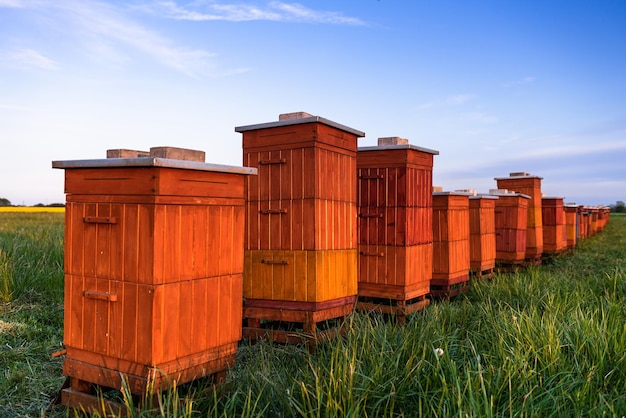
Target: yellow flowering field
(31,209)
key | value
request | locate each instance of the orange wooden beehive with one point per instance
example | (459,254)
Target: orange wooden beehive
(511,217)
(554,227)
(594,220)
(300,242)
(531,186)
(482,234)
(153,271)
(394,226)
(585,221)
(451,244)
(572,224)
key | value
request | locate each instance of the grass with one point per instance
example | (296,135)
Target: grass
(548,341)
(31,310)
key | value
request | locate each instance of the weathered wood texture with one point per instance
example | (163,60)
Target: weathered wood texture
(511,218)
(395,222)
(153,273)
(572,225)
(451,238)
(554,227)
(482,233)
(301,216)
(530,186)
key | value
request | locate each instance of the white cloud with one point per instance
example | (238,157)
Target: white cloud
(525,80)
(455,100)
(29,58)
(15,108)
(480,117)
(104,27)
(274,11)
(10,3)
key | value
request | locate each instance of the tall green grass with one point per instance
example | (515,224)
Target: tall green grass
(547,341)
(31,256)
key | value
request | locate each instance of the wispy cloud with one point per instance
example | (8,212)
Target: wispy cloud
(455,100)
(480,117)
(106,27)
(274,11)
(525,80)
(29,58)
(10,3)
(15,108)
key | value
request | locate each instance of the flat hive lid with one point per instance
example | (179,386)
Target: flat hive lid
(398,147)
(153,162)
(485,196)
(299,121)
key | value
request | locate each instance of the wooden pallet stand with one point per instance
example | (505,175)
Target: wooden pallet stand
(296,322)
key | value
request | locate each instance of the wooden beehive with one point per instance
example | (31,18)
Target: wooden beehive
(584,222)
(554,227)
(394,182)
(511,219)
(531,186)
(451,244)
(153,271)
(572,224)
(594,220)
(482,234)
(300,238)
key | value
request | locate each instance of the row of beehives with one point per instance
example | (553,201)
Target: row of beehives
(169,261)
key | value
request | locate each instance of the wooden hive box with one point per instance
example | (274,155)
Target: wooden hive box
(301,223)
(585,221)
(530,186)
(394,183)
(572,225)
(153,271)
(451,244)
(511,219)
(554,227)
(594,220)
(482,234)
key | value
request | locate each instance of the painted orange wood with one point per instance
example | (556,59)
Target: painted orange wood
(151,181)
(152,282)
(400,267)
(482,233)
(530,186)
(395,221)
(451,236)
(554,226)
(301,214)
(511,217)
(572,225)
(299,276)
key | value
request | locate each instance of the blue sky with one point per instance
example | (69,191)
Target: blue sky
(494,86)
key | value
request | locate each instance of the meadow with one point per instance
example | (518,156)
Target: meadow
(547,341)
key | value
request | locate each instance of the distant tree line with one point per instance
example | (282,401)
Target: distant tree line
(7,202)
(618,207)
